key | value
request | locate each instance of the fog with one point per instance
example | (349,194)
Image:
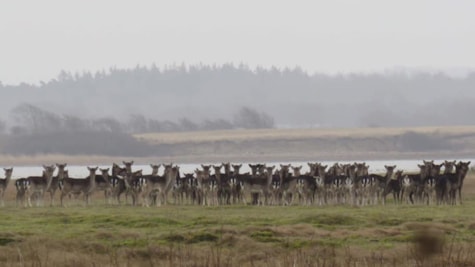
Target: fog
(291,97)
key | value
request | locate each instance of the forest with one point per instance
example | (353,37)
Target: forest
(90,112)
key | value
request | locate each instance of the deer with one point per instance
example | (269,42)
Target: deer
(4,183)
(38,185)
(217,192)
(449,166)
(259,185)
(135,185)
(455,182)
(430,183)
(21,185)
(159,185)
(380,183)
(236,185)
(394,186)
(412,186)
(334,180)
(362,184)
(103,183)
(55,182)
(288,184)
(86,186)
(179,189)
(318,171)
(206,185)
(117,180)
(306,187)
(224,188)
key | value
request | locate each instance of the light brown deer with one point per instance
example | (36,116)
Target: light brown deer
(103,184)
(21,185)
(86,186)
(4,183)
(259,185)
(55,182)
(39,185)
(159,185)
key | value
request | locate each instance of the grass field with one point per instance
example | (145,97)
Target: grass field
(111,235)
(103,235)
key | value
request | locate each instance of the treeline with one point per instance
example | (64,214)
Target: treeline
(291,96)
(80,143)
(38,131)
(30,119)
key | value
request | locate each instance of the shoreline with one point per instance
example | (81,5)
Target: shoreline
(38,160)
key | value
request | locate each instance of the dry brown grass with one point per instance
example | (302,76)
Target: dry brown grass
(294,134)
(85,160)
(272,145)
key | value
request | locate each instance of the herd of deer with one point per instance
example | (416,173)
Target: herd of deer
(265,185)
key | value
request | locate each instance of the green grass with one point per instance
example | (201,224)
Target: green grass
(220,236)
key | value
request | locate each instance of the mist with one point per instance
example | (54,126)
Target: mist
(293,98)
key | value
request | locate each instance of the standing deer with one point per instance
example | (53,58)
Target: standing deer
(86,186)
(4,183)
(39,185)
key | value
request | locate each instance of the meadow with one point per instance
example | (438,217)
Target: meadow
(245,235)
(185,235)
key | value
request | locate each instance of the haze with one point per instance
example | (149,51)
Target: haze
(404,63)
(41,38)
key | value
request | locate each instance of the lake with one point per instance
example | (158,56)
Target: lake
(376,166)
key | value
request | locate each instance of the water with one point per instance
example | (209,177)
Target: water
(376,166)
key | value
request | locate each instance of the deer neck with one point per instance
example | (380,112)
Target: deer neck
(218,176)
(169,176)
(49,179)
(269,179)
(126,181)
(92,180)
(8,178)
(106,178)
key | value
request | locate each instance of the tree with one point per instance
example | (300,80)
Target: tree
(36,120)
(248,118)
(107,125)
(137,124)
(219,124)
(74,124)
(187,125)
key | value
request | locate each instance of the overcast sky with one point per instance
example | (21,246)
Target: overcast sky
(40,38)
